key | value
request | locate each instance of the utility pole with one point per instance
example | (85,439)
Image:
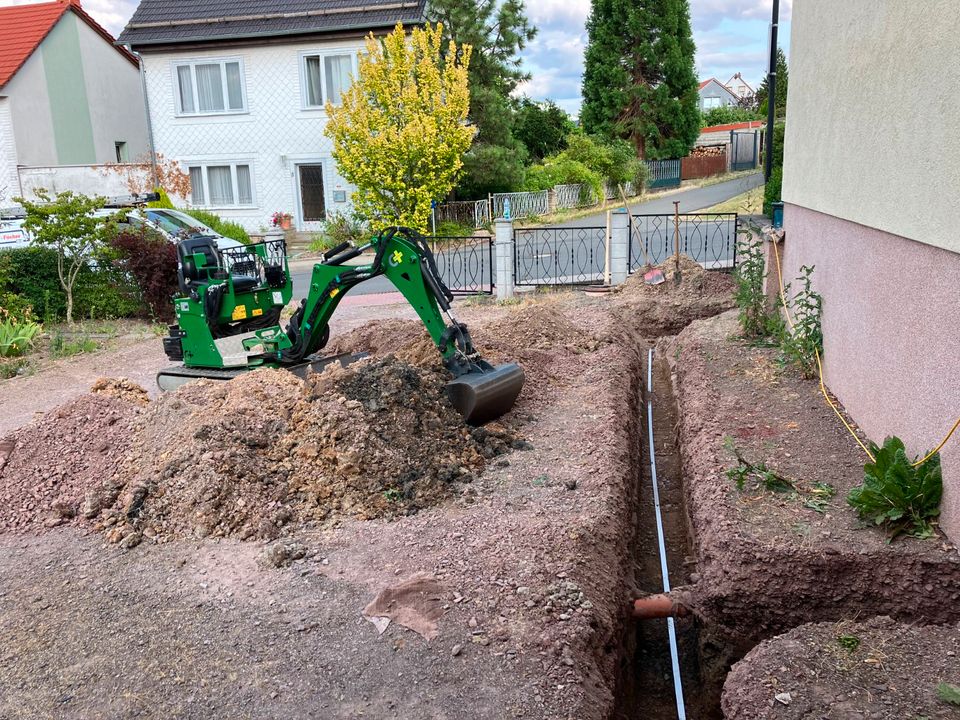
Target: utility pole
(771,92)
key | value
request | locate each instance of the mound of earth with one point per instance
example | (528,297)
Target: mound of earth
(122,389)
(248,457)
(52,463)
(876,669)
(537,326)
(406,339)
(695,282)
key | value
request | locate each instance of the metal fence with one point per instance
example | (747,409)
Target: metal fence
(559,256)
(707,238)
(610,191)
(465,264)
(663,174)
(573,196)
(522,204)
(472,213)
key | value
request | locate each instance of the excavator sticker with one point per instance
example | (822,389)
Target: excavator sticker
(239,313)
(396,258)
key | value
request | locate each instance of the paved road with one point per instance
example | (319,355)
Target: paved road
(690,200)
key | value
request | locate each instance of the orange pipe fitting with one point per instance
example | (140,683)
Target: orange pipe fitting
(662,605)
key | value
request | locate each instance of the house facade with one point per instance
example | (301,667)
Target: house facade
(872,206)
(68,95)
(740,88)
(239,103)
(714,94)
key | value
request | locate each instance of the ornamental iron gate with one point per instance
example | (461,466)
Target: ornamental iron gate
(465,264)
(559,256)
(709,239)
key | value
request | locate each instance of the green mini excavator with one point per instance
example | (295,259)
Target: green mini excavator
(230,300)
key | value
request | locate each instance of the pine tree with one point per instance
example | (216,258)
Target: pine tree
(639,80)
(497,32)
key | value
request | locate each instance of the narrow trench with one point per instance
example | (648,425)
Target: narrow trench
(646,685)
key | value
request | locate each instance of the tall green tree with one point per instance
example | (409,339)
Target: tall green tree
(542,127)
(639,80)
(497,30)
(781,90)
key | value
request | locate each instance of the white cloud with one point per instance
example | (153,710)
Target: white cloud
(111,14)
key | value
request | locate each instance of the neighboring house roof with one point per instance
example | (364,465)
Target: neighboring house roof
(738,76)
(23,28)
(719,84)
(158,22)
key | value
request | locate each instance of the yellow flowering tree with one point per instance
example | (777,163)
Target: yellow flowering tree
(400,132)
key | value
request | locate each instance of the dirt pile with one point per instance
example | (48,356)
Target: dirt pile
(847,670)
(667,308)
(266,450)
(537,326)
(55,461)
(122,389)
(695,282)
(406,339)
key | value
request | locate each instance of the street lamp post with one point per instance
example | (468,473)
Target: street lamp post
(771,91)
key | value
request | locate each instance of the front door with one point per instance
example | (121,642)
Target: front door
(312,207)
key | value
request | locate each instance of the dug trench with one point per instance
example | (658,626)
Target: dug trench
(817,614)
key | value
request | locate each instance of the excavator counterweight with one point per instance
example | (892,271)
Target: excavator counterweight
(229,305)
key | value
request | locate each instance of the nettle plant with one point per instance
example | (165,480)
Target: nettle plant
(756,320)
(804,340)
(898,495)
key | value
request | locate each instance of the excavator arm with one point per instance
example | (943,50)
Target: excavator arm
(478,390)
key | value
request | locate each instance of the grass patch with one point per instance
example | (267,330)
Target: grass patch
(748,203)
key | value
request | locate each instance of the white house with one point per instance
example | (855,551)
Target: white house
(740,87)
(237,95)
(69,98)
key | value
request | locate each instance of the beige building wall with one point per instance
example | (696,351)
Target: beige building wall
(873,125)
(871,188)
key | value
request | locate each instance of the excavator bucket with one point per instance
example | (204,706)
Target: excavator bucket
(484,396)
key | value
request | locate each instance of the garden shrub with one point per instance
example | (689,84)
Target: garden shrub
(101,293)
(339,228)
(151,262)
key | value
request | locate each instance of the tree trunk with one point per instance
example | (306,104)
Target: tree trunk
(69,292)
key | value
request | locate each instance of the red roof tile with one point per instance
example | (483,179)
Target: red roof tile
(23,28)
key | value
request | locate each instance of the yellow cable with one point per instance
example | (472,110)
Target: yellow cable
(823,388)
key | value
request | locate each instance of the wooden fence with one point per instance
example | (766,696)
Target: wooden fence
(694,166)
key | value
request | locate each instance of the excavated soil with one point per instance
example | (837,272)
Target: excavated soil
(54,462)
(840,671)
(267,450)
(768,561)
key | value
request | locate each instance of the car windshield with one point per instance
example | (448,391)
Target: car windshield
(174,224)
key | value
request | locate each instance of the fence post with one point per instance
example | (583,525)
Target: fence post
(619,246)
(503,258)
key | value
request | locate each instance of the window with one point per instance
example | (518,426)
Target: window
(121,149)
(325,78)
(207,87)
(711,102)
(219,185)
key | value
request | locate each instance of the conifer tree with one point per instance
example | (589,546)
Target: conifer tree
(639,80)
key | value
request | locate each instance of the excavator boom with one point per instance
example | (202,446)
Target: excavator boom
(230,301)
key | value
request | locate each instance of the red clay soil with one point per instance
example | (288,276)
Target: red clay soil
(840,671)
(769,561)
(532,549)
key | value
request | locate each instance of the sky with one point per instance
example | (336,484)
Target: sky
(731,37)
